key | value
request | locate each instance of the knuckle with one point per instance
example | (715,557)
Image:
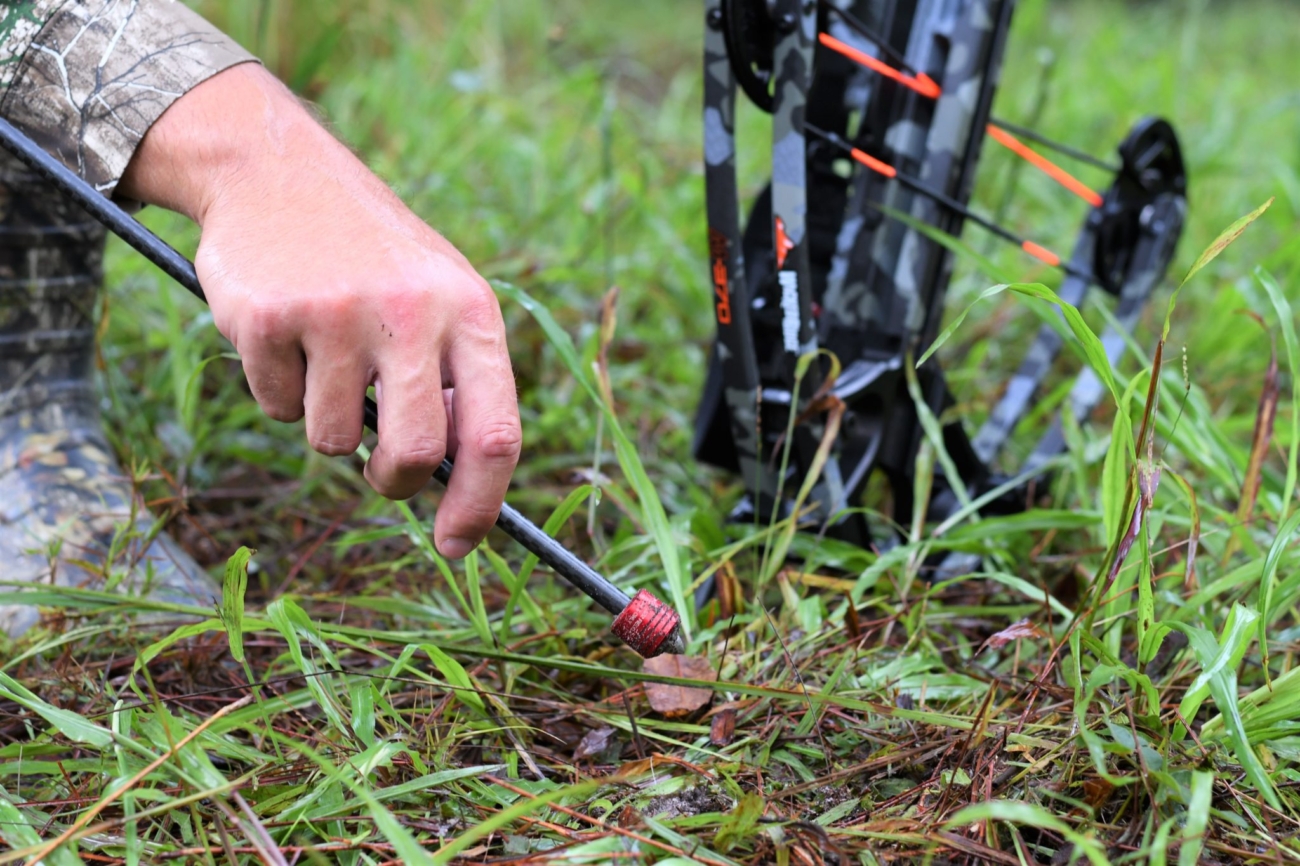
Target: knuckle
(500,441)
(421,456)
(479,310)
(476,517)
(265,320)
(276,393)
(334,444)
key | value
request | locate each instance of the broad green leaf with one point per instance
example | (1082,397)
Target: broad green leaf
(1093,350)
(1267,581)
(1146,605)
(18,832)
(1219,244)
(1116,480)
(1219,661)
(363,710)
(192,386)
(1215,657)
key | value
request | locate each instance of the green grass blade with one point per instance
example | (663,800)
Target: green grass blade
(71,725)
(1030,815)
(233,588)
(1198,819)
(1286,320)
(656,519)
(524,807)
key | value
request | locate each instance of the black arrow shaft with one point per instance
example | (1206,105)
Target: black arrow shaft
(181,269)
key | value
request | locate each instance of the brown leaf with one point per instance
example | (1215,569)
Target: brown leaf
(1261,440)
(1016,631)
(730,595)
(1148,479)
(851,622)
(1097,792)
(723,728)
(608,322)
(671,700)
(593,743)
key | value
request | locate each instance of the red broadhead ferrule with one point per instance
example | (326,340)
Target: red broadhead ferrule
(645,624)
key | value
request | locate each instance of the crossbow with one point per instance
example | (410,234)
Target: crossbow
(879,112)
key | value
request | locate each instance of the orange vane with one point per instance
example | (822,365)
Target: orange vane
(1045,165)
(921,83)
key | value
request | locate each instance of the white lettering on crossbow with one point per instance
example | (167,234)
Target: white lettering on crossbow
(790,310)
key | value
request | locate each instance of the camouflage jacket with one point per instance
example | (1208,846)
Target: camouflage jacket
(86,78)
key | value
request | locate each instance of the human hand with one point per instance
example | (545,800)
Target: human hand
(326,283)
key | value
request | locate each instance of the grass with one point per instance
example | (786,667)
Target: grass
(354,699)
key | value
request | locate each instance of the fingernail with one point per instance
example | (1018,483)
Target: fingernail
(455,548)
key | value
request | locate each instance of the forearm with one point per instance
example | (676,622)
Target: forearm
(87,79)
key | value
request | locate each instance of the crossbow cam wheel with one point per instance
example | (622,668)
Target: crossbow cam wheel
(749,30)
(1145,196)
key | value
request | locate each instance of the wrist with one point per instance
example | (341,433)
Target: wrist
(221,135)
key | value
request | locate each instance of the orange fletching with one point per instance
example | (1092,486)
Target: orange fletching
(926,86)
(922,84)
(1043,254)
(1045,165)
(872,163)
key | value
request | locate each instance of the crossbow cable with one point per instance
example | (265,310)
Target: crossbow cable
(643,622)
(880,109)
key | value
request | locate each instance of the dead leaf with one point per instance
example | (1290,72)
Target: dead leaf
(730,595)
(1263,436)
(1097,792)
(851,623)
(1016,631)
(671,700)
(723,728)
(593,743)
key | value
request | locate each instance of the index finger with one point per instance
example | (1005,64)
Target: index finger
(485,411)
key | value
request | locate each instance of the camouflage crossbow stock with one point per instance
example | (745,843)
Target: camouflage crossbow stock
(880,109)
(643,622)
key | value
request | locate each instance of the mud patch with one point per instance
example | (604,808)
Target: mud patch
(692,801)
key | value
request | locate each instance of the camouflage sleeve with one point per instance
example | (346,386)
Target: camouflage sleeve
(87,78)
